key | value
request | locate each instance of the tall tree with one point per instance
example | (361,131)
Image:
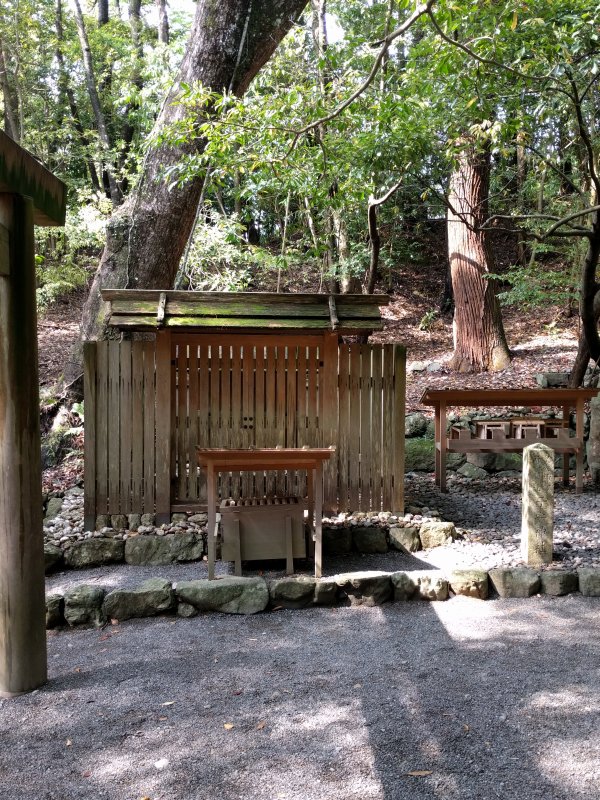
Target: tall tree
(229,43)
(163,21)
(479,339)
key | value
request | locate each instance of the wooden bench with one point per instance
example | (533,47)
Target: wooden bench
(526,430)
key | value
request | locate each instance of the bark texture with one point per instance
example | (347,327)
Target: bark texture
(230,41)
(479,339)
(589,340)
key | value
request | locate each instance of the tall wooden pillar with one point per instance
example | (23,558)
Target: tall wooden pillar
(22,602)
(29,195)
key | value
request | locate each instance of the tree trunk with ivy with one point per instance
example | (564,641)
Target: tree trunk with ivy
(479,338)
(230,41)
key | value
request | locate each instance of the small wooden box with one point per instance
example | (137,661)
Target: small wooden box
(253,531)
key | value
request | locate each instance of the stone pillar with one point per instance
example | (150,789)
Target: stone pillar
(537,521)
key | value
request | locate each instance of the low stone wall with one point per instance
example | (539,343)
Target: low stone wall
(93,605)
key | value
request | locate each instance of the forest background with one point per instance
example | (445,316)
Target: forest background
(379,141)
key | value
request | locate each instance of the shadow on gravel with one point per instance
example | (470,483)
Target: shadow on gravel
(456,700)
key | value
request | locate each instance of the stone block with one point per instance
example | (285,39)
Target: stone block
(152,597)
(326,592)
(147,520)
(515,582)
(537,517)
(53,557)
(118,522)
(337,541)
(95,552)
(557,582)
(369,540)
(404,585)
(186,610)
(436,534)
(406,540)
(430,586)
(366,588)
(53,507)
(134,521)
(54,611)
(589,581)
(469,582)
(419,455)
(83,606)
(229,594)
(469,470)
(179,517)
(415,425)
(292,592)
(162,550)
(102,521)
(496,462)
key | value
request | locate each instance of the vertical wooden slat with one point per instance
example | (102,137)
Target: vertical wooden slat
(215,398)
(365,427)
(225,386)
(259,413)
(301,430)
(271,412)
(173,468)
(342,454)
(163,427)
(291,413)
(114,461)
(388,422)
(355,425)
(247,420)
(91,442)
(281,411)
(149,395)
(181,419)
(125,422)
(312,412)
(137,426)
(235,434)
(192,422)
(204,386)
(328,413)
(376,429)
(399,425)
(102,429)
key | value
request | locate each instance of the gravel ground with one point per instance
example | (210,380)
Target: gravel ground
(464,699)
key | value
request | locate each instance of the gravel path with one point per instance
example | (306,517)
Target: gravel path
(494,699)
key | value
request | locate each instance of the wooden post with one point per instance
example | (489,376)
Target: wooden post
(90,369)
(399,425)
(330,417)
(164,442)
(22,600)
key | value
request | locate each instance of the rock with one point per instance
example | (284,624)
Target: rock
(54,611)
(118,522)
(199,519)
(292,592)
(186,610)
(150,598)
(419,455)
(148,520)
(496,462)
(471,471)
(404,585)
(326,592)
(515,582)
(405,539)
(230,594)
(369,540)
(414,425)
(469,582)
(552,379)
(557,582)
(337,541)
(102,521)
(537,510)
(134,521)
(434,366)
(431,586)
(94,552)
(161,550)
(53,557)
(416,366)
(54,507)
(436,534)
(83,606)
(366,588)
(179,517)
(589,581)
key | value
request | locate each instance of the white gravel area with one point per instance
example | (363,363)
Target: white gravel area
(408,701)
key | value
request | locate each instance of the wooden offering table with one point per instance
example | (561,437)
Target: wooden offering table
(216,460)
(506,435)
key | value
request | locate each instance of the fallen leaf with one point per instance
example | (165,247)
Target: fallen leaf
(466,728)
(162,719)
(68,743)
(87,773)
(77,669)
(168,703)
(228,726)
(239,691)
(420,773)
(260,725)
(105,637)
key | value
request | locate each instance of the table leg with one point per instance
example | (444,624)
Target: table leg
(442,431)
(566,456)
(212,520)
(579,435)
(318,478)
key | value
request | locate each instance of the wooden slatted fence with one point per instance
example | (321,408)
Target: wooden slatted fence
(148,404)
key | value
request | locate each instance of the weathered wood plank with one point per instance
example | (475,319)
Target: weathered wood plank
(376,429)
(365,427)
(164,444)
(114,460)
(181,420)
(149,322)
(204,436)
(399,427)
(235,432)
(329,416)
(247,420)
(260,414)
(301,414)
(355,427)
(239,308)
(343,443)
(126,421)
(90,373)
(271,412)
(102,429)
(388,422)
(149,396)
(192,426)
(249,298)
(137,426)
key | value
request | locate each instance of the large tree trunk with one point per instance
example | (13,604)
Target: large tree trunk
(163,22)
(11,126)
(479,339)
(230,41)
(589,340)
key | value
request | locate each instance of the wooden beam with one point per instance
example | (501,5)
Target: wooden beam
(22,174)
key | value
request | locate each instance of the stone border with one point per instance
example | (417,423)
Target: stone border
(92,605)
